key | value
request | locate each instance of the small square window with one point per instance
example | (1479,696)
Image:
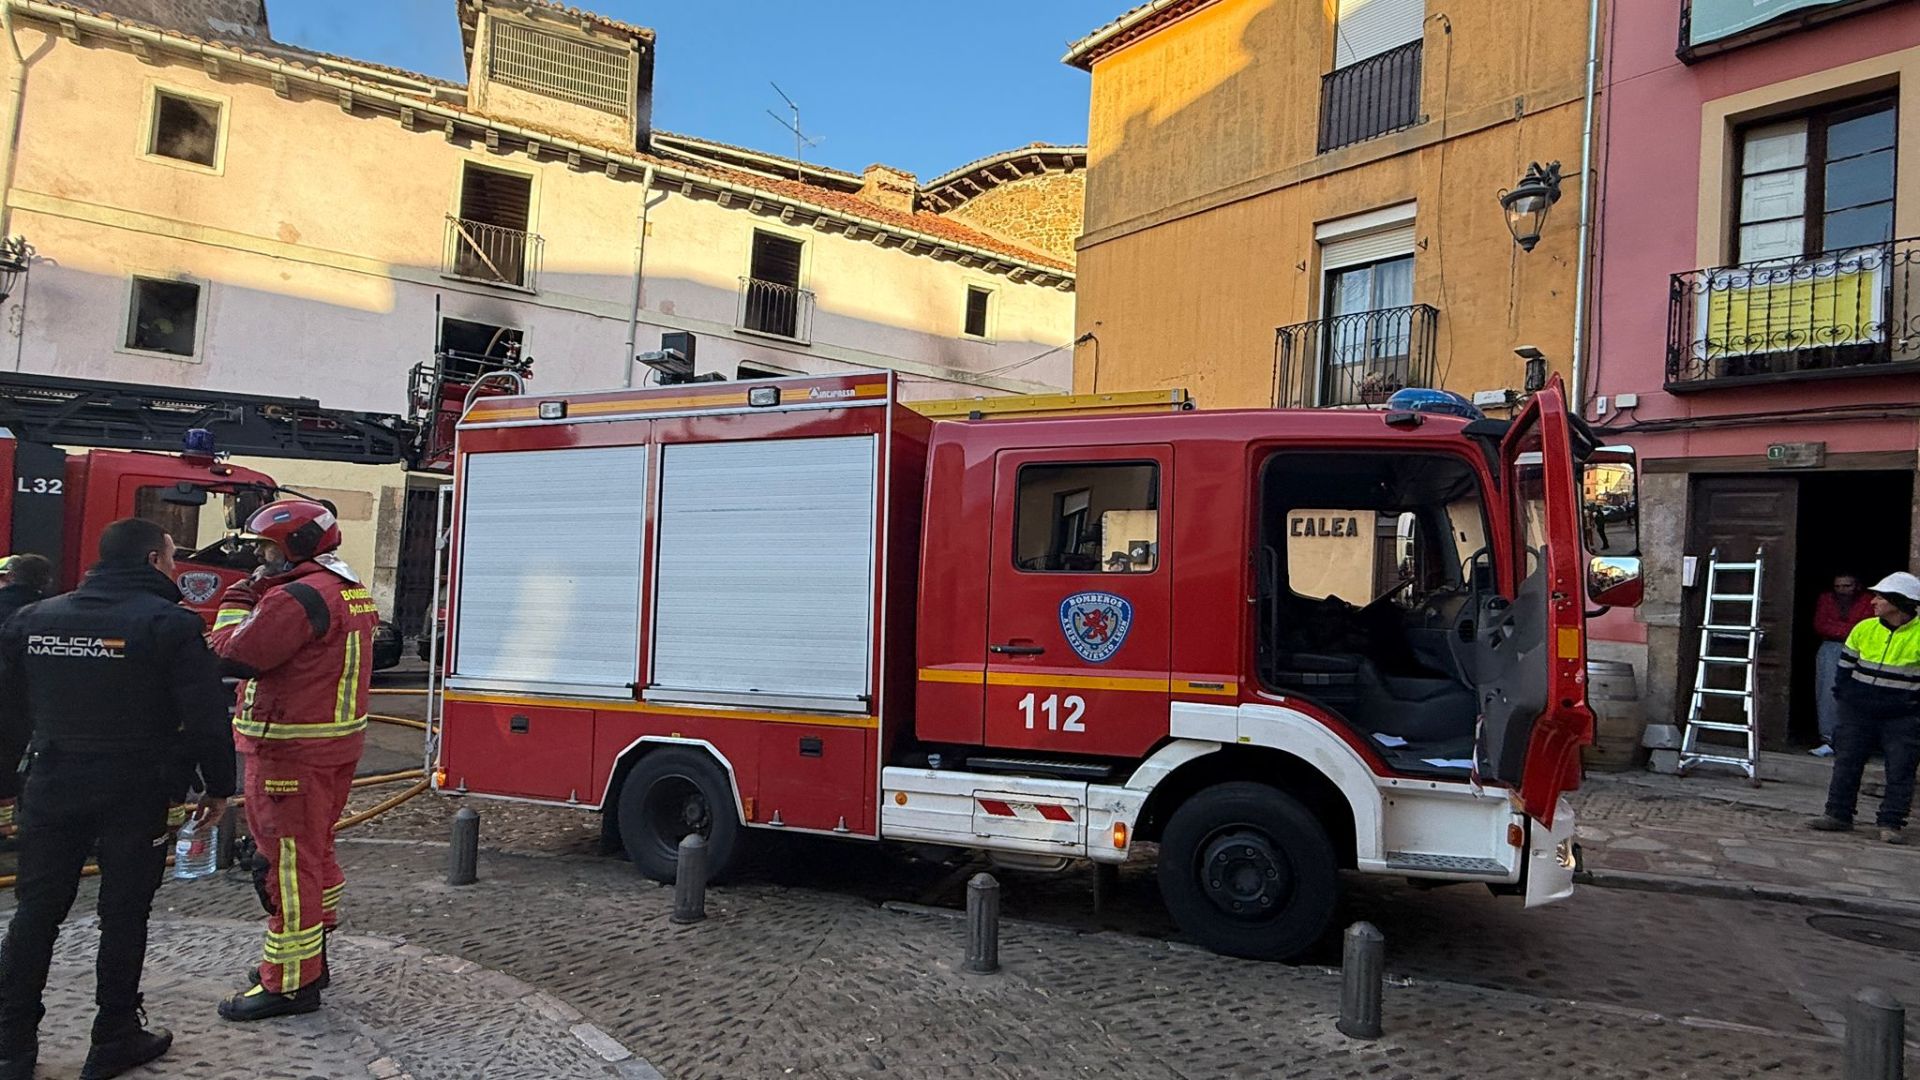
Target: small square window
(164,316)
(1088,518)
(979,303)
(185,129)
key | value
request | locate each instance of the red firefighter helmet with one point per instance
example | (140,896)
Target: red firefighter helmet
(300,527)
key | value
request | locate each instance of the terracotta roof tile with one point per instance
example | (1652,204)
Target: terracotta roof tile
(1137,21)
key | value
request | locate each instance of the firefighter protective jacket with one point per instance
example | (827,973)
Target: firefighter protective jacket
(302,650)
(1880,669)
(116,666)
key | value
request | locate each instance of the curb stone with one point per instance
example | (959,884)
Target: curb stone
(1745,890)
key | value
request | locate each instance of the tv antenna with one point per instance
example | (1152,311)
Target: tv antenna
(802,142)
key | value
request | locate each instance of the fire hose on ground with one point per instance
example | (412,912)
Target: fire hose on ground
(419,777)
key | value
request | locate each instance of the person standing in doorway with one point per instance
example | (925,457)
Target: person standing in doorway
(1879,696)
(1835,614)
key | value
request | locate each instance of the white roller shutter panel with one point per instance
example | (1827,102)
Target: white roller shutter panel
(1369,248)
(550,564)
(1370,27)
(765,586)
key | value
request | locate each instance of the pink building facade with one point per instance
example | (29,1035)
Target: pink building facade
(1756,331)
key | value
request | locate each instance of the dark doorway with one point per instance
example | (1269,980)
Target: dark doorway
(1849,523)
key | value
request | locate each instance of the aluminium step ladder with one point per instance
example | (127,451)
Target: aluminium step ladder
(1729,646)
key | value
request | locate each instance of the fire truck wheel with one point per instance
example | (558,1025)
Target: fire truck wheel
(671,794)
(1249,872)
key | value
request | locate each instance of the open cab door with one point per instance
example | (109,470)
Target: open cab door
(1530,634)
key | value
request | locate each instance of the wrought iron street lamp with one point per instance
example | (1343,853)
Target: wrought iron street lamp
(16,255)
(1527,203)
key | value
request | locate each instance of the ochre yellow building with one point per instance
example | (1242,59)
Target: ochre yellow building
(1297,201)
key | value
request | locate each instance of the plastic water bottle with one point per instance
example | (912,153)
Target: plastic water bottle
(193,851)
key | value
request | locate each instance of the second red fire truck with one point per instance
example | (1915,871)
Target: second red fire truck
(1276,644)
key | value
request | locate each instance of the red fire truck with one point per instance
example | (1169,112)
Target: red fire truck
(1275,643)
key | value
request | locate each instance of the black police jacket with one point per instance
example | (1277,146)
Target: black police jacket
(13,598)
(116,666)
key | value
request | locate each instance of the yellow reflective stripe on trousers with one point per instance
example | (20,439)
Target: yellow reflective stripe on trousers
(329,730)
(289,910)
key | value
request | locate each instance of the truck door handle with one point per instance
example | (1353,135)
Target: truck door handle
(1017,650)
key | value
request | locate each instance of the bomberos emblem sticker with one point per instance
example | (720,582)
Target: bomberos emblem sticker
(198,586)
(1096,624)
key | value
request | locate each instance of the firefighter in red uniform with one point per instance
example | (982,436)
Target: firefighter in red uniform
(299,634)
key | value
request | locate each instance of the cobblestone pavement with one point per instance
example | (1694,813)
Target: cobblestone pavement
(810,981)
(404,1012)
(1723,831)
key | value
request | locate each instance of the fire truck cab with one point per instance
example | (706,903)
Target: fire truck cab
(1277,644)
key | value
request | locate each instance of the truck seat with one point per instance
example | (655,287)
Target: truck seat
(1415,708)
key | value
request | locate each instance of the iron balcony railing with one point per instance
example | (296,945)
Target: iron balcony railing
(768,307)
(1355,359)
(492,254)
(1854,311)
(1370,98)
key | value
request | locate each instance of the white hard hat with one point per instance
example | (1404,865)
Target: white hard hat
(1900,584)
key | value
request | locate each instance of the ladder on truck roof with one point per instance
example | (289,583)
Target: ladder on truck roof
(128,416)
(1730,644)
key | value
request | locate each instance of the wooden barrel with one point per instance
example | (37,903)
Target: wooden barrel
(1617,717)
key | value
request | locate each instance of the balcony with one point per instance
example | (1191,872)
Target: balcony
(774,309)
(1378,95)
(492,254)
(1840,313)
(1356,359)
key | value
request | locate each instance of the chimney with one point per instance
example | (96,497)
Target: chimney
(889,188)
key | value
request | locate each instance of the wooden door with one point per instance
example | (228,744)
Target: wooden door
(1737,515)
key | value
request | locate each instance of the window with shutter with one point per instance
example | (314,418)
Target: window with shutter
(1365,28)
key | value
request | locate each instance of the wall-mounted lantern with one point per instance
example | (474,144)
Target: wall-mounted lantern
(1527,203)
(16,255)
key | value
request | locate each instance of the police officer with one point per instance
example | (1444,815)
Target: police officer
(111,693)
(301,634)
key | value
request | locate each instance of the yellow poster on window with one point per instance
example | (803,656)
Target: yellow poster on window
(1832,302)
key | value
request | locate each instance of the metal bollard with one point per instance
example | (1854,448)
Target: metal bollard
(690,881)
(983,925)
(1362,967)
(1876,1037)
(227,837)
(463,853)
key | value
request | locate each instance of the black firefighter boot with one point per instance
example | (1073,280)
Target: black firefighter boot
(258,1003)
(122,1043)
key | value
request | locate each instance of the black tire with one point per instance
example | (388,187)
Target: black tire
(670,794)
(1278,880)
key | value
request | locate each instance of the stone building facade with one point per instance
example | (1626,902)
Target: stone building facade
(1033,196)
(249,217)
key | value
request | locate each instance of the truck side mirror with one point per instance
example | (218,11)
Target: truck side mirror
(1610,502)
(241,506)
(1615,580)
(184,494)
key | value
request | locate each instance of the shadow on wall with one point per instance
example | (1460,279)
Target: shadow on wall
(1233,96)
(211,334)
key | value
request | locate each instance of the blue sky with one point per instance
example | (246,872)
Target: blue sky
(924,87)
